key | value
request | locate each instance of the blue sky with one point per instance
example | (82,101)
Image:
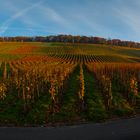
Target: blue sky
(104,18)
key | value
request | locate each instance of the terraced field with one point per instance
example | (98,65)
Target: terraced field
(43,83)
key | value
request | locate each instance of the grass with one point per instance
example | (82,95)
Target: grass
(121,106)
(39,112)
(117,53)
(95,105)
(69,106)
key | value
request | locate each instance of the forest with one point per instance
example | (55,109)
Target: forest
(72,39)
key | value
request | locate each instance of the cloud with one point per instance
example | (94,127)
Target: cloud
(20,13)
(39,16)
(50,14)
(30,31)
(129,16)
(115,19)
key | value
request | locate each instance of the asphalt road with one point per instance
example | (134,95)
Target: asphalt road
(128,129)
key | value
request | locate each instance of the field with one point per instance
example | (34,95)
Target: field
(50,83)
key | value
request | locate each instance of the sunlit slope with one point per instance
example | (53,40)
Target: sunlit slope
(69,52)
(97,52)
(16,50)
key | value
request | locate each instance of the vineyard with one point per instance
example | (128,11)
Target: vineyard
(47,83)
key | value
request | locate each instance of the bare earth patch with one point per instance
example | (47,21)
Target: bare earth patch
(24,50)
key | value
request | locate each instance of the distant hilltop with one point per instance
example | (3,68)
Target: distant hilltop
(72,39)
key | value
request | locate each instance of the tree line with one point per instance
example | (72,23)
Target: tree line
(72,39)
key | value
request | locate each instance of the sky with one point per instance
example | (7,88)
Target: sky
(104,18)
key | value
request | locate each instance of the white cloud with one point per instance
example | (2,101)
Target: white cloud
(36,15)
(5,25)
(50,14)
(130,17)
